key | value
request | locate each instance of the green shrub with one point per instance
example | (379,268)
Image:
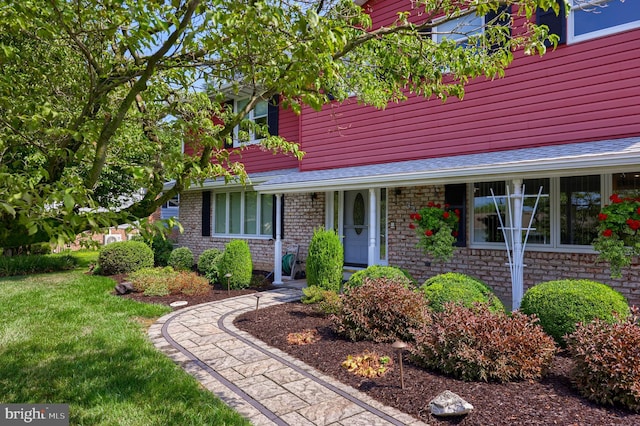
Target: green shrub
(376,271)
(325,260)
(380,310)
(326,301)
(562,304)
(459,288)
(181,259)
(607,361)
(35,264)
(124,256)
(162,248)
(484,346)
(208,264)
(151,279)
(236,260)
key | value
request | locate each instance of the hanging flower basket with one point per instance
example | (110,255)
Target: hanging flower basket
(618,239)
(437,230)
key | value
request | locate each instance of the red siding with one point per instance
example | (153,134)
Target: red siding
(583,92)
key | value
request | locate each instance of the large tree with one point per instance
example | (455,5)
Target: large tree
(97,96)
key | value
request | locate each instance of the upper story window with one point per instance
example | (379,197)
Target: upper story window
(596,18)
(248,134)
(459,29)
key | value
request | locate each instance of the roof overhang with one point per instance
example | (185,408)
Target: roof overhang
(559,160)
(252,180)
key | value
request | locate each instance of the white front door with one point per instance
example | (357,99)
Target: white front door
(356,227)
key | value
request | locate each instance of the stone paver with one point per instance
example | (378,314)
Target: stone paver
(263,384)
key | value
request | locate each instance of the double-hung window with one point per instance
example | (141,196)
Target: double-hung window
(243,213)
(596,18)
(246,133)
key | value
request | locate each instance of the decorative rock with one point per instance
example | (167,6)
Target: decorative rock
(178,303)
(124,288)
(449,404)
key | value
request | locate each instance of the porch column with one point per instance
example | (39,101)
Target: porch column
(277,256)
(372,227)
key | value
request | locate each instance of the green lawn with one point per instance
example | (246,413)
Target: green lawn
(65,339)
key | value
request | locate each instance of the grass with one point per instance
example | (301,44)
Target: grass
(65,339)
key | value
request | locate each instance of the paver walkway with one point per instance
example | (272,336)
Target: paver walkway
(262,383)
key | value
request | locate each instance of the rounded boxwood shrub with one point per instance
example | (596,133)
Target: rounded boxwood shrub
(377,271)
(486,346)
(181,259)
(380,310)
(236,260)
(461,289)
(325,260)
(208,264)
(607,361)
(124,256)
(561,304)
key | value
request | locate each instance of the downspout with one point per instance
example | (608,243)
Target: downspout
(371,256)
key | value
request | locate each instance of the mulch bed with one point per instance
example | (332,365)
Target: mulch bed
(551,401)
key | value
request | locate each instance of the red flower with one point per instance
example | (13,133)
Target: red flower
(445,215)
(454,233)
(412,226)
(457,212)
(438,205)
(615,198)
(418,217)
(638,210)
(446,206)
(602,216)
(633,224)
(430,204)
(428,232)
(607,233)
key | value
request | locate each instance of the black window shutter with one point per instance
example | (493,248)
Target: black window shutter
(273,232)
(273,109)
(501,17)
(557,23)
(206,213)
(229,143)
(456,197)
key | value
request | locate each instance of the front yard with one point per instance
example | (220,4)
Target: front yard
(65,339)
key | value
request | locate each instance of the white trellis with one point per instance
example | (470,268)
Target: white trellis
(514,240)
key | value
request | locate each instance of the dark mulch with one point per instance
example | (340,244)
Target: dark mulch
(552,401)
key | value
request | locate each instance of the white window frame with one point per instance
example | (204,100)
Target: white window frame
(571,38)
(250,116)
(242,233)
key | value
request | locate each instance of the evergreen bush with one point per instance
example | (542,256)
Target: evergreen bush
(162,248)
(181,259)
(380,310)
(236,260)
(562,304)
(325,260)
(461,289)
(208,264)
(485,346)
(377,271)
(607,361)
(123,257)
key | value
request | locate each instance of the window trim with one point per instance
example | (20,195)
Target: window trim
(435,34)
(258,216)
(250,116)
(571,38)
